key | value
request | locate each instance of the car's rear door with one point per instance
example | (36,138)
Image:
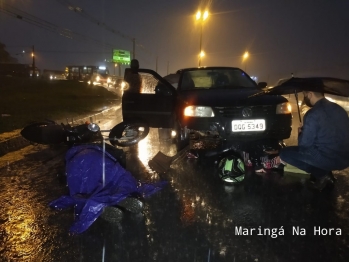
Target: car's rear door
(155,104)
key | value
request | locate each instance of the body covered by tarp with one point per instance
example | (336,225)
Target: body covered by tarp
(89,192)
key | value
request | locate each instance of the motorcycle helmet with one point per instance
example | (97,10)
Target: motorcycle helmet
(231,169)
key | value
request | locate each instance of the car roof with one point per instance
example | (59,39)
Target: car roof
(205,68)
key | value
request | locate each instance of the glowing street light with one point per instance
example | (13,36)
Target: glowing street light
(201,17)
(201,55)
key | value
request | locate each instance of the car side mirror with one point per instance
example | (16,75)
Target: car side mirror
(262,85)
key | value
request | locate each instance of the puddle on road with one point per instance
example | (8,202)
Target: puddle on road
(28,181)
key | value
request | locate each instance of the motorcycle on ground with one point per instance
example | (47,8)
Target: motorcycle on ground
(49,132)
(87,152)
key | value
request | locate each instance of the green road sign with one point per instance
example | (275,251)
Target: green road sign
(121,56)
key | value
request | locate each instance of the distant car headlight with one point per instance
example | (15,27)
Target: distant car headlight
(123,84)
(97,78)
(284,108)
(108,80)
(198,111)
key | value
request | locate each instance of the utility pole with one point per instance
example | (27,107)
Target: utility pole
(134,48)
(168,66)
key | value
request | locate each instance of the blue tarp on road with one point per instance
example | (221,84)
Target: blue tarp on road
(87,190)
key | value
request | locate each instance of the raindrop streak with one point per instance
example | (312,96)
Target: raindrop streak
(103,251)
(209,255)
(103,164)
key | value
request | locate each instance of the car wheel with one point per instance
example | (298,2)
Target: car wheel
(182,137)
(128,133)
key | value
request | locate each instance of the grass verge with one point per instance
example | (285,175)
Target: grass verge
(25,100)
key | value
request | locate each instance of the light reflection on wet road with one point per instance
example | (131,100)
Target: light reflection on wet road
(192,219)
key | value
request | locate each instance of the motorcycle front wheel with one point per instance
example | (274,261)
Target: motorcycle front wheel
(128,133)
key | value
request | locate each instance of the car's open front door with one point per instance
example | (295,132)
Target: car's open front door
(155,103)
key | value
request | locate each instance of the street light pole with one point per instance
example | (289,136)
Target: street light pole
(202,18)
(33,63)
(200,45)
(244,58)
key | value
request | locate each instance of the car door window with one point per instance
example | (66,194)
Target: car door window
(149,83)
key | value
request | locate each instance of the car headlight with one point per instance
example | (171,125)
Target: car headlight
(123,85)
(284,108)
(97,78)
(108,80)
(198,111)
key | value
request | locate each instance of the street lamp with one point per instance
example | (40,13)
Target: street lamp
(201,17)
(244,57)
(201,55)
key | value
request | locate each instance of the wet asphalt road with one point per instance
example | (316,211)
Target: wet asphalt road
(194,218)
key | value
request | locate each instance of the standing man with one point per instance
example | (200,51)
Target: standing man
(132,77)
(323,140)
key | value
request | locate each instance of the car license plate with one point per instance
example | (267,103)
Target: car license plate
(248,125)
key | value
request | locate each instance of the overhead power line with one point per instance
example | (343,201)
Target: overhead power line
(31,19)
(80,11)
(92,19)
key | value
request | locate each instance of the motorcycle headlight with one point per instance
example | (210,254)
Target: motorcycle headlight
(198,111)
(93,127)
(284,108)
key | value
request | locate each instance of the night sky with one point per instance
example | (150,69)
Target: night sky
(303,37)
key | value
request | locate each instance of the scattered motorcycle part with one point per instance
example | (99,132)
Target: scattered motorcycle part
(128,133)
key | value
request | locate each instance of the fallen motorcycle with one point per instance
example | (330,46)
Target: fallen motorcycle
(51,133)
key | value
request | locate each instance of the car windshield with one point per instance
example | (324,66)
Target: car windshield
(215,78)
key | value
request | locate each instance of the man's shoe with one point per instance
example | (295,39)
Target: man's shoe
(313,179)
(323,182)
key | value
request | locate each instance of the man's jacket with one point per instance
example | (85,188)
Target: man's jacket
(324,140)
